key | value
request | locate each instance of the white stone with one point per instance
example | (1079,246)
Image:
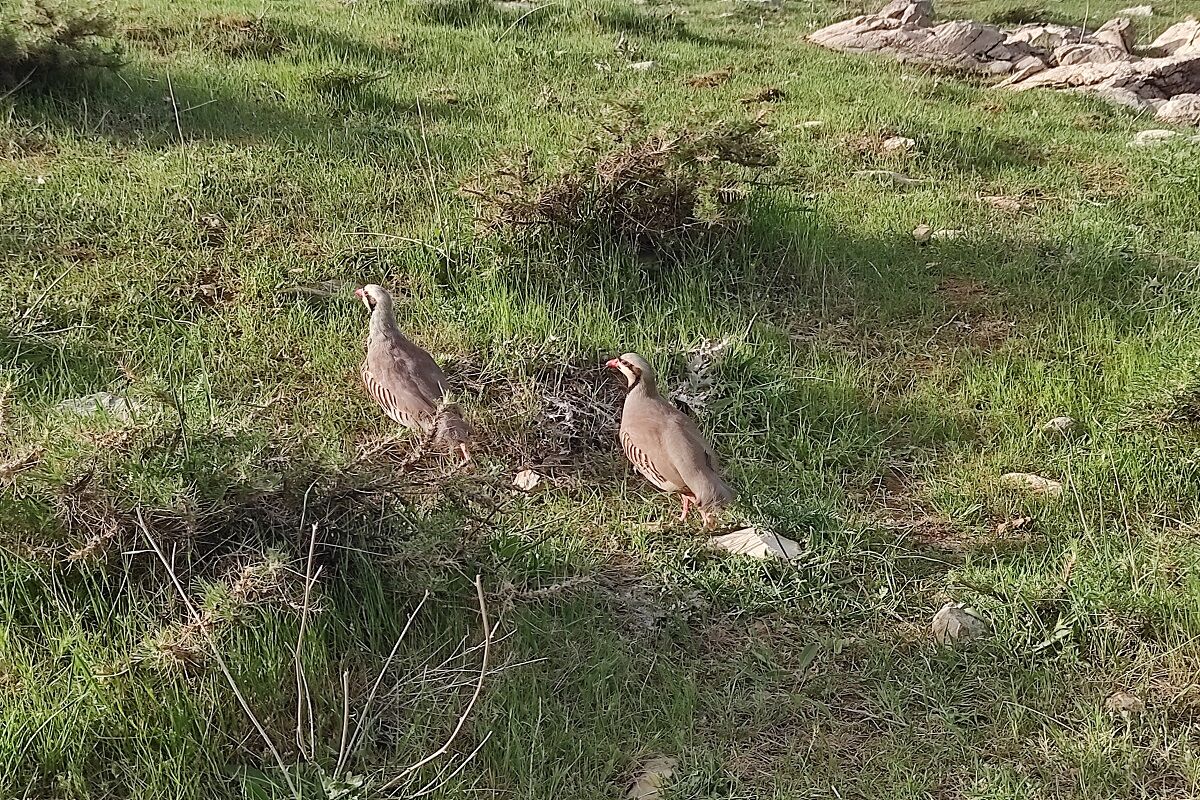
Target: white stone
(756,544)
(1032,483)
(102,403)
(1061,425)
(897,144)
(651,779)
(527,480)
(1152,138)
(957,622)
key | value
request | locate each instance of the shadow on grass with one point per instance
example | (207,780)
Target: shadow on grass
(626,20)
(146,108)
(756,675)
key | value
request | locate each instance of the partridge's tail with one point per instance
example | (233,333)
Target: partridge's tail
(451,428)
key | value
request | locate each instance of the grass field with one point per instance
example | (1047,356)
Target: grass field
(186,234)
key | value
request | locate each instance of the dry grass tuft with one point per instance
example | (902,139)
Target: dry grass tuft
(767,94)
(710,80)
(179,646)
(239,36)
(25,461)
(231,35)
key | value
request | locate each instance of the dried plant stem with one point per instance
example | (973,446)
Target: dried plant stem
(462,720)
(437,783)
(521,19)
(266,737)
(362,720)
(175,107)
(342,742)
(303,698)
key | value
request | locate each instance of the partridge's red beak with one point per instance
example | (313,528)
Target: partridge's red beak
(613,363)
(358,293)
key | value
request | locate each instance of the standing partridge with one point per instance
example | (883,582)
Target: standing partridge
(665,446)
(405,380)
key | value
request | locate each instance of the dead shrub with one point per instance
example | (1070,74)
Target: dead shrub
(43,39)
(455,13)
(557,414)
(651,189)
(234,36)
(243,37)
(342,82)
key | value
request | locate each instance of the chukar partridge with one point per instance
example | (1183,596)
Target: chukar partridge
(405,380)
(665,446)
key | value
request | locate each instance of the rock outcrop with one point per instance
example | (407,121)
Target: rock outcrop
(1165,81)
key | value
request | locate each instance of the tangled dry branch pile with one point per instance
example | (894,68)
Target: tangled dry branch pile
(331,766)
(646,188)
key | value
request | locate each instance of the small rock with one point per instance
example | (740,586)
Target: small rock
(812,124)
(756,544)
(1024,69)
(103,403)
(1182,38)
(527,480)
(1013,525)
(650,780)
(1124,703)
(922,234)
(957,622)
(1061,425)
(1152,138)
(1031,483)
(1136,11)
(1044,37)
(898,144)
(1089,53)
(1182,109)
(947,235)
(643,66)
(1002,202)
(1116,33)
(213,222)
(1129,99)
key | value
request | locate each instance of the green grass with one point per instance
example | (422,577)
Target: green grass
(872,393)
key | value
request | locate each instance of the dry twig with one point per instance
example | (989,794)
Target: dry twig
(198,619)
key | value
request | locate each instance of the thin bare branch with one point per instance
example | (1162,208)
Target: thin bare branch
(366,711)
(345,717)
(287,776)
(435,784)
(302,695)
(462,720)
(174,107)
